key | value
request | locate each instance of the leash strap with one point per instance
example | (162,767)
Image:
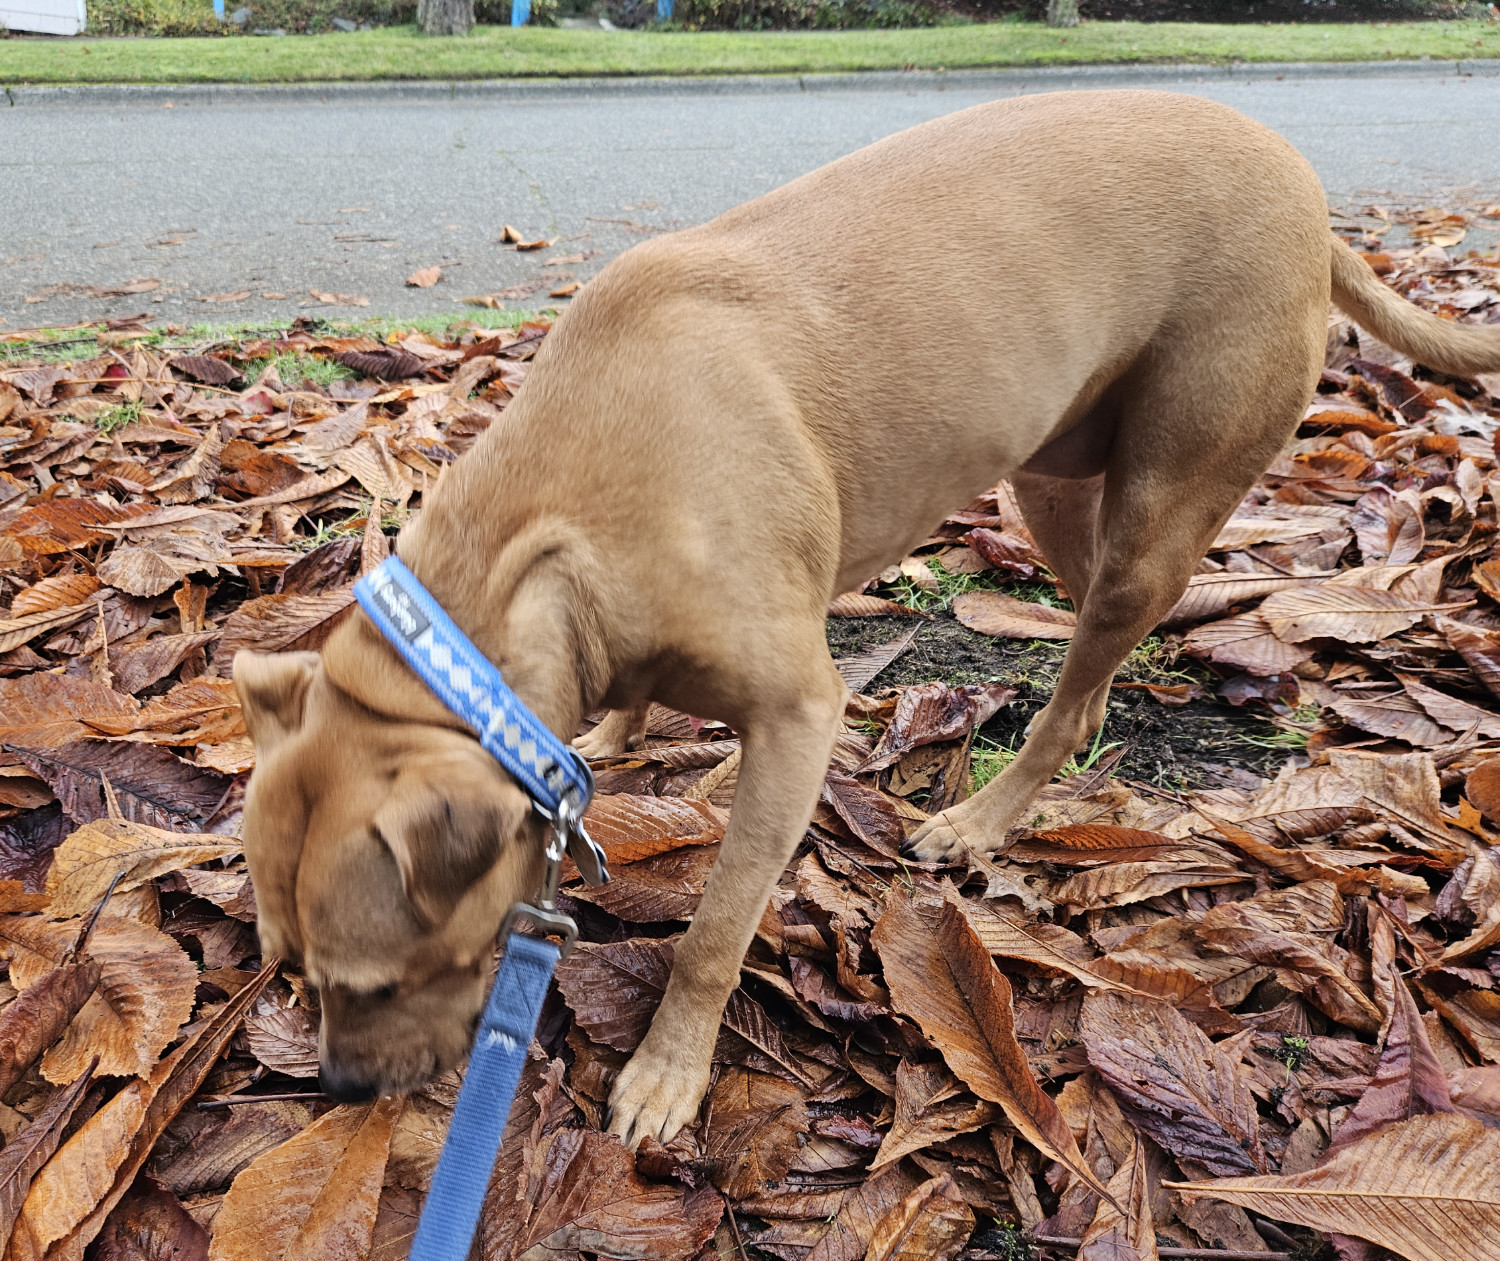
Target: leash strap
(468,683)
(451,1213)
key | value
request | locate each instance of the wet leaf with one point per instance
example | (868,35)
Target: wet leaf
(930,1224)
(1424,1188)
(285,1040)
(315,1196)
(144,995)
(1171,1081)
(30,1149)
(940,974)
(751,1131)
(151,785)
(78,1189)
(1005,617)
(930,1108)
(150,1224)
(92,858)
(589,1197)
(39,1014)
(632,827)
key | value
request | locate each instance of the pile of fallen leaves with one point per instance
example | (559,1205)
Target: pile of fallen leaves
(1256,1018)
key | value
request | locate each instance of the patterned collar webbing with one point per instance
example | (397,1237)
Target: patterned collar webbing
(468,683)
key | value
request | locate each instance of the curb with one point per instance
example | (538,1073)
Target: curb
(441,92)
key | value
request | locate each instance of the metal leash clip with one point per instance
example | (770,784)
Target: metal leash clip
(546,917)
(566,838)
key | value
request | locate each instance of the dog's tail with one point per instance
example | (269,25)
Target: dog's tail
(1460,349)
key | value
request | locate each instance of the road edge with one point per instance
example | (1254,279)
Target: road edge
(531,89)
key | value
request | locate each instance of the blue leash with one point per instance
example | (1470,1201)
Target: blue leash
(560,785)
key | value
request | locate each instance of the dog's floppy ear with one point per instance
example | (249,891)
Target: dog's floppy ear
(273,691)
(446,823)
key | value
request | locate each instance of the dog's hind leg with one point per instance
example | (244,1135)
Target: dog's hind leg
(1063,517)
(1185,455)
(618,732)
(788,731)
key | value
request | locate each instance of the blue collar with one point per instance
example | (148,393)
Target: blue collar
(554,774)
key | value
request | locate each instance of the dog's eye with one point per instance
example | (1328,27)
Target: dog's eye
(383,995)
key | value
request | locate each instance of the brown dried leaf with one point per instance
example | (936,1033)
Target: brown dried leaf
(38,1016)
(98,853)
(631,827)
(849,1234)
(425,278)
(1351,614)
(281,623)
(869,815)
(151,785)
(1247,642)
(139,571)
(54,593)
(856,604)
(1171,1081)
(1126,1233)
(930,1108)
(930,1224)
(149,1224)
(285,1039)
(388,363)
(1425,1188)
(585,1195)
(76,1190)
(30,1149)
(217,1153)
(991,613)
(935,712)
(614,988)
(145,992)
(1408,1080)
(44,711)
(862,667)
(940,974)
(751,1130)
(1213,595)
(315,1196)
(651,890)
(207,369)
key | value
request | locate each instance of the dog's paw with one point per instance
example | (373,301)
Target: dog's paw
(937,841)
(655,1096)
(605,740)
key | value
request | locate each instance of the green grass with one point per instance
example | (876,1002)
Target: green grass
(951,586)
(118,417)
(56,345)
(500,52)
(987,759)
(295,368)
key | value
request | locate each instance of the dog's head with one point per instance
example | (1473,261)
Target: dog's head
(384,853)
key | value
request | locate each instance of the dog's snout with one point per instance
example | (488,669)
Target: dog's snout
(344,1086)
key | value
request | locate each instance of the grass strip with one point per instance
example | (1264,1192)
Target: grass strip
(501,52)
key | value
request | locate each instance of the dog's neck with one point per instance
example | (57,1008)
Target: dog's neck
(529,609)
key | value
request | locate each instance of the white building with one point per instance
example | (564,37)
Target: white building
(46,17)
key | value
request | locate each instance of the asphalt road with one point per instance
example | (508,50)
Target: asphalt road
(279,195)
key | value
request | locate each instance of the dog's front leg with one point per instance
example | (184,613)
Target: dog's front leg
(786,750)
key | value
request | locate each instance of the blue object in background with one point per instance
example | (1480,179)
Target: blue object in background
(520,12)
(663,10)
(219,9)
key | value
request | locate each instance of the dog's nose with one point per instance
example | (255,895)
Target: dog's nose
(343,1086)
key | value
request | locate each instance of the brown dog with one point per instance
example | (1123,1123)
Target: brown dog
(1116,299)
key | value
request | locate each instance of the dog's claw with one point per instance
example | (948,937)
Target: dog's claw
(654,1097)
